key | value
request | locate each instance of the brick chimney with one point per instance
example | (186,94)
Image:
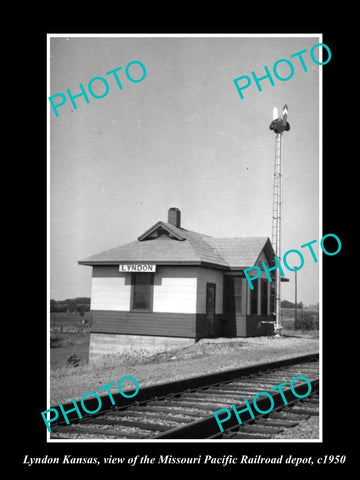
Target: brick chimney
(174,217)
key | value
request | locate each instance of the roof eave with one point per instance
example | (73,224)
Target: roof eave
(94,263)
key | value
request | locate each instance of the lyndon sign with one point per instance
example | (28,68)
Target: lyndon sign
(137,268)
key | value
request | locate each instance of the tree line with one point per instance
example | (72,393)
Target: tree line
(78,305)
(287,304)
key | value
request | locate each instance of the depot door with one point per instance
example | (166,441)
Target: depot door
(210,309)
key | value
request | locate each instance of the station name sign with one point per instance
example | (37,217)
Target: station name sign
(137,267)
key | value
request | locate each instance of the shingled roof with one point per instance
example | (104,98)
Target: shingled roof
(242,252)
(164,243)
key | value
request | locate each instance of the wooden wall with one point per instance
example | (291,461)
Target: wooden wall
(242,325)
(176,324)
(111,293)
(179,305)
(254,327)
(144,323)
(152,323)
(206,275)
(176,289)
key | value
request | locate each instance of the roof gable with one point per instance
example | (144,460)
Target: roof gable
(161,228)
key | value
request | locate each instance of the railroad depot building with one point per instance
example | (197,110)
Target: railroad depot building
(173,286)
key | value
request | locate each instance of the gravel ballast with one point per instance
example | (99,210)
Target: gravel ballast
(206,356)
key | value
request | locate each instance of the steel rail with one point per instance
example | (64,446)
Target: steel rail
(208,427)
(162,390)
(193,397)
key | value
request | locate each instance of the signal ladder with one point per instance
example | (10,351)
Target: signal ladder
(276,227)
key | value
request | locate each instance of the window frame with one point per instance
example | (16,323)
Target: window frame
(235,295)
(264,299)
(135,276)
(254,297)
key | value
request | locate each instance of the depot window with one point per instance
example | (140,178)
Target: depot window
(235,295)
(264,295)
(142,291)
(254,294)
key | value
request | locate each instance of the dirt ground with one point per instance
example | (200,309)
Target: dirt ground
(71,377)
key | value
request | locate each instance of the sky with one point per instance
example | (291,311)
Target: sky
(182,137)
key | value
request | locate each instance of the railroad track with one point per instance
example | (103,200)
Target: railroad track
(185,409)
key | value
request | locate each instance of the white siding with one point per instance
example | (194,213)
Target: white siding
(110,293)
(175,290)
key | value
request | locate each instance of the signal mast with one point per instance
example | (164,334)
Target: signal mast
(279,125)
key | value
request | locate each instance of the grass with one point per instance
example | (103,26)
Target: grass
(67,341)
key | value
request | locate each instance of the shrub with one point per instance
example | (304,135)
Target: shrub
(309,320)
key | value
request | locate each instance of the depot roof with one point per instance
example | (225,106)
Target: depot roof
(164,243)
